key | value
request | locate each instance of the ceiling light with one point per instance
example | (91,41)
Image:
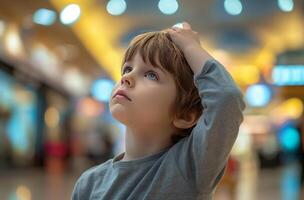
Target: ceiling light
(168,7)
(116,7)
(233,7)
(285,5)
(258,95)
(70,14)
(44,17)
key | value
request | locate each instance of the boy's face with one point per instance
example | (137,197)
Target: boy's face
(151,93)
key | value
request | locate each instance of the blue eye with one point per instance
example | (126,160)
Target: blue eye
(151,75)
(125,69)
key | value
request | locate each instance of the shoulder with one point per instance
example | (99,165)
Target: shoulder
(90,176)
(86,183)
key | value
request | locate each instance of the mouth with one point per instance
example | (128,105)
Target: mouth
(121,94)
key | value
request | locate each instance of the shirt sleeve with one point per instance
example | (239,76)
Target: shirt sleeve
(202,156)
(75,193)
(83,186)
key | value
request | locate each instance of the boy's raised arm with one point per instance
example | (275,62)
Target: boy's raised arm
(202,156)
(187,40)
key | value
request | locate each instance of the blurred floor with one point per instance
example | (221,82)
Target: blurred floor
(271,184)
(267,184)
(35,184)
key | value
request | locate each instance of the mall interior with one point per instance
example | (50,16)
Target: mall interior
(60,59)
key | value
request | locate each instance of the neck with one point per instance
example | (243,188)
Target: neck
(138,145)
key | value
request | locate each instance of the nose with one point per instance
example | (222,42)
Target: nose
(127,81)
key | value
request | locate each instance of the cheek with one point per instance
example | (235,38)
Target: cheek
(115,88)
(110,103)
(157,103)
(113,91)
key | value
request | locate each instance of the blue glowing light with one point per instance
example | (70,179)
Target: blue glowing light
(17,132)
(233,7)
(288,75)
(70,14)
(258,95)
(290,183)
(13,196)
(116,7)
(20,128)
(289,138)
(21,125)
(286,5)
(6,90)
(168,7)
(44,17)
(101,89)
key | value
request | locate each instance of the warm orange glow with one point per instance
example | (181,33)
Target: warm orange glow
(90,107)
(256,124)
(246,74)
(51,117)
(289,109)
(99,33)
(23,193)
(13,43)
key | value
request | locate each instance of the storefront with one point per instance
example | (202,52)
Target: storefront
(33,120)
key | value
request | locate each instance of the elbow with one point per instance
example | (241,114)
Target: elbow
(232,101)
(233,96)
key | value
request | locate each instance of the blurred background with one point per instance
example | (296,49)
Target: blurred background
(59,60)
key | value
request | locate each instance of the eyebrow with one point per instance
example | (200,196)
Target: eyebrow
(164,72)
(146,66)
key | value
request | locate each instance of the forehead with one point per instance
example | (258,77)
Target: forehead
(148,61)
(155,49)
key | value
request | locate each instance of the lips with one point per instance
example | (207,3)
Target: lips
(122,93)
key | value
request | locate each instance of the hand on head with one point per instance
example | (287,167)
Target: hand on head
(184,37)
(188,41)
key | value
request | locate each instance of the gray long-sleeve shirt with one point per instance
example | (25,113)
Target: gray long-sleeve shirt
(192,167)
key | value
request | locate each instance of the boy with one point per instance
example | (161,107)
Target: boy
(182,112)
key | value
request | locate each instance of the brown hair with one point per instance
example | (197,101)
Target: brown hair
(158,49)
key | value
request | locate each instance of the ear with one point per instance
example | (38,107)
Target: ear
(185,122)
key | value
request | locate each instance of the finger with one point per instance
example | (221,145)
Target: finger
(171,31)
(186,25)
(171,34)
(176,29)
(179,25)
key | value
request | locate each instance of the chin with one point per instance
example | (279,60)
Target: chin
(119,114)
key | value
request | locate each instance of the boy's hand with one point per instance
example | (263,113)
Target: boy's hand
(185,37)
(188,41)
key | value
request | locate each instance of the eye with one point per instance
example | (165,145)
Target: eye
(126,69)
(151,75)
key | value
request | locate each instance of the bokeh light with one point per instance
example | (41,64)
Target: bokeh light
(70,14)
(44,17)
(233,7)
(90,107)
(13,42)
(286,5)
(2,28)
(289,138)
(288,75)
(23,193)
(258,95)
(116,7)
(102,89)
(168,7)
(52,117)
